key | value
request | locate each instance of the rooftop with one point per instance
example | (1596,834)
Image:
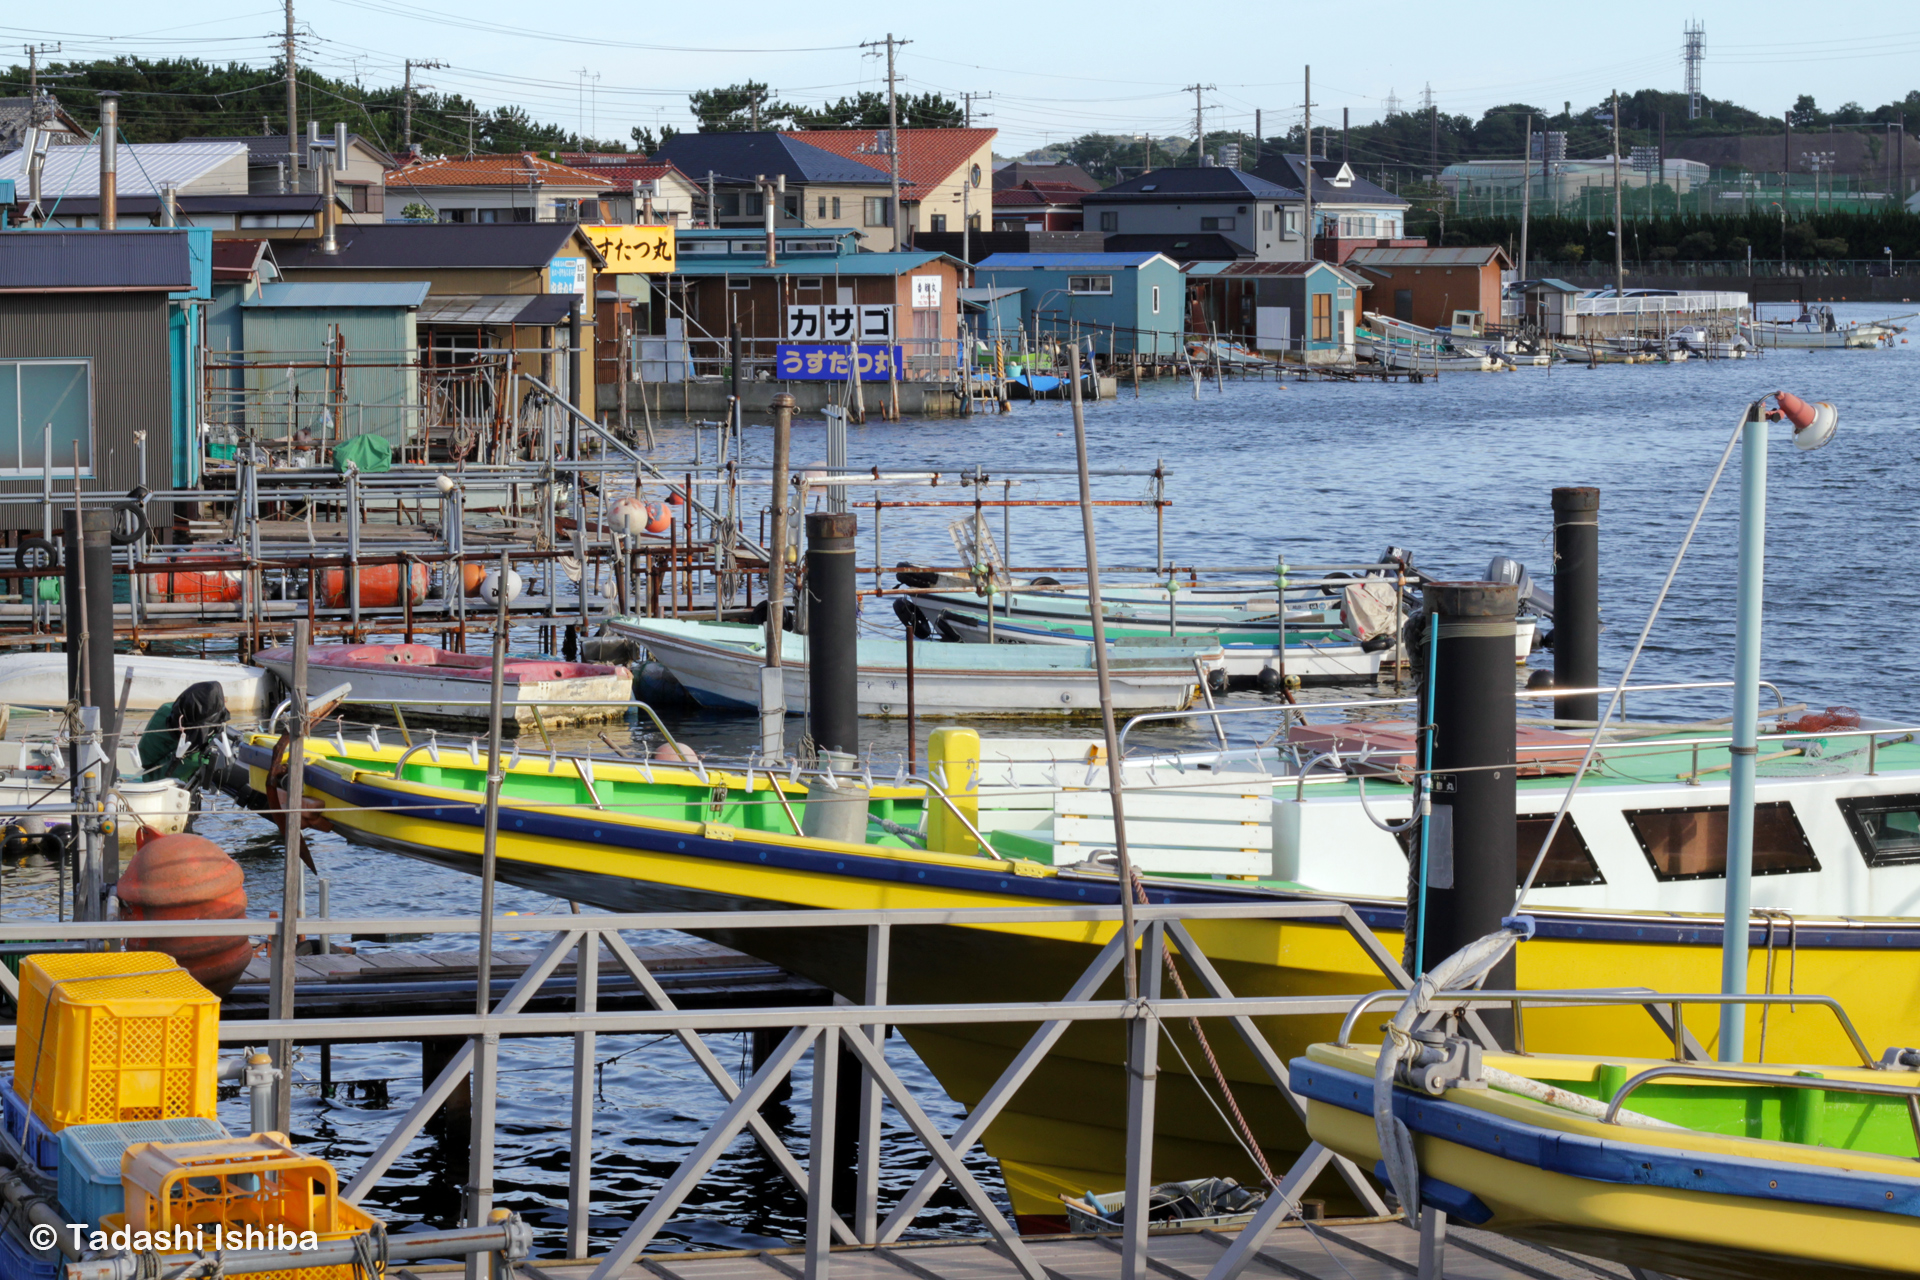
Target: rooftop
(143,167)
(1334,181)
(271,148)
(1038,195)
(1068,261)
(928,157)
(329,293)
(435,246)
(1205,182)
(522,170)
(77,261)
(1180,246)
(1466,256)
(615,167)
(1015,172)
(740,157)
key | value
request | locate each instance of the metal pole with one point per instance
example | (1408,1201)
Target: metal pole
(833,616)
(580,1171)
(1526,201)
(1619,231)
(109,161)
(1746,731)
(773,691)
(288,943)
(1115,786)
(1576,600)
(486,1047)
(1143,1075)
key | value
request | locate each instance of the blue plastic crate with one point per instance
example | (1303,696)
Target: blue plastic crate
(28,1129)
(18,1261)
(90,1159)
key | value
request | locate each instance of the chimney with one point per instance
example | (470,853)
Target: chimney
(168,214)
(329,240)
(109,147)
(340,147)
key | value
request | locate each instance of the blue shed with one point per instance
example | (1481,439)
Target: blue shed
(1127,302)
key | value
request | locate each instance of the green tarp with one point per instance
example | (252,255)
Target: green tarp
(371,454)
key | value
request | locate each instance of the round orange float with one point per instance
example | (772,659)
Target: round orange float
(379,586)
(186,877)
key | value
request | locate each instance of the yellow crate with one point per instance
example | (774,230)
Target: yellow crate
(108,1036)
(229,1185)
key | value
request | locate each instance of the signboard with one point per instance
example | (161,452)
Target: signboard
(926,293)
(821,363)
(567,275)
(843,322)
(629,249)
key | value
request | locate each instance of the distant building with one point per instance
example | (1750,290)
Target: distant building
(479,189)
(17,115)
(1426,286)
(934,165)
(274,168)
(1875,155)
(824,190)
(1301,311)
(1562,181)
(634,185)
(1038,206)
(1015,172)
(1348,211)
(1260,219)
(1126,302)
(209,180)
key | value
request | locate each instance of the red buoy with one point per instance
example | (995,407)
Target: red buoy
(186,877)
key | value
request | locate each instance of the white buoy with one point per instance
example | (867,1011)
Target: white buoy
(490,586)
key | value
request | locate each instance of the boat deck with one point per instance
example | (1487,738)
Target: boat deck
(1346,1249)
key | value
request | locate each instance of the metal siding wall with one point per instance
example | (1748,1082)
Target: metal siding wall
(378,401)
(126,336)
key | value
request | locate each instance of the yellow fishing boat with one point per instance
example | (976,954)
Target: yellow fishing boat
(641,836)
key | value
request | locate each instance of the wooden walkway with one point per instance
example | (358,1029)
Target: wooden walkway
(1344,1249)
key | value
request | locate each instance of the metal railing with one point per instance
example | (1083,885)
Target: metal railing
(858,1029)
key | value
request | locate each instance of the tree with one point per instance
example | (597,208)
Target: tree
(738,108)
(1805,113)
(868,110)
(644,140)
(1107,157)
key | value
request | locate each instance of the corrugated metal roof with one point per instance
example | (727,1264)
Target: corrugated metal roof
(395,293)
(518,171)
(737,157)
(495,308)
(266,149)
(1067,261)
(1466,256)
(142,167)
(443,245)
(57,261)
(847,264)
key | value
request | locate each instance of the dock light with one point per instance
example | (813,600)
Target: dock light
(1813,424)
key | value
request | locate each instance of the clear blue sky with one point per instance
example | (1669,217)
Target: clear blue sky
(1054,71)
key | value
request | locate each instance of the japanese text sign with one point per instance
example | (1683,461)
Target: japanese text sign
(809,363)
(629,249)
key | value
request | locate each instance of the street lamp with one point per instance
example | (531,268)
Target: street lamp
(1813,426)
(1889,252)
(1783,234)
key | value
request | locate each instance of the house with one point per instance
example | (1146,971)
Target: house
(17,115)
(823,189)
(1037,206)
(1259,218)
(1426,286)
(500,296)
(276,169)
(1015,173)
(522,187)
(70,177)
(98,337)
(1302,311)
(1127,302)
(820,298)
(1183,247)
(1348,211)
(941,172)
(980,245)
(637,189)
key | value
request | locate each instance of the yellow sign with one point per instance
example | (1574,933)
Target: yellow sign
(630,249)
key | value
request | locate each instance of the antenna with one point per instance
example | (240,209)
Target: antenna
(1694,54)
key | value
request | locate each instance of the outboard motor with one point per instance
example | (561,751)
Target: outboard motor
(1507,569)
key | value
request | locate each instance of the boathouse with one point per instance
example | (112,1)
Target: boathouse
(1425,286)
(1126,302)
(1303,310)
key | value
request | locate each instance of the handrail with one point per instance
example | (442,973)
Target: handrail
(1607,996)
(1732,1076)
(1145,717)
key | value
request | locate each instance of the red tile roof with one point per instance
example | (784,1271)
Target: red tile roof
(928,157)
(491,171)
(613,167)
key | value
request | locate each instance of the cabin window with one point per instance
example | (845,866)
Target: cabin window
(808,284)
(1156,299)
(1266,219)
(1691,844)
(1323,317)
(1569,862)
(1089,284)
(1887,828)
(739,282)
(44,401)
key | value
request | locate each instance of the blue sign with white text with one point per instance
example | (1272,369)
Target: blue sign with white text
(809,363)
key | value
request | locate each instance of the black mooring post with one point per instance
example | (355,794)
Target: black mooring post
(833,660)
(1470,856)
(96,606)
(1576,601)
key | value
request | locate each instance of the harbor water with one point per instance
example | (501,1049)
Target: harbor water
(1456,470)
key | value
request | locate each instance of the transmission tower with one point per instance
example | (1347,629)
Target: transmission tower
(1393,103)
(1694,55)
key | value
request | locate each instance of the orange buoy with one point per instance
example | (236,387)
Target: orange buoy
(659,518)
(675,500)
(379,586)
(187,877)
(675,753)
(210,586)
(471,576)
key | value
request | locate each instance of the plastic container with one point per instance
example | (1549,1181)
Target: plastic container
(110,1036)
(28,1129)
(90,1157)
(21,1261)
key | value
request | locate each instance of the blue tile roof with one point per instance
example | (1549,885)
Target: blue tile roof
(740,157)
(56,260)
(1065,261)
(1192,184)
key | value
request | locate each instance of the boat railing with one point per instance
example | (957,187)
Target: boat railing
(1665,1007)
(1731,1075)
(837,1036)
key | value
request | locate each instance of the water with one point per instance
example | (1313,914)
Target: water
(1458,470)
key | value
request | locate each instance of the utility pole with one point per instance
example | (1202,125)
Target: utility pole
(893,131)
(406,111)
(1526,192)
(293,107)
(1307,184)
(33,52)
(967,99)
(1346,135)
(1257,135)
(470,118)
(1199,121)
(1619,249)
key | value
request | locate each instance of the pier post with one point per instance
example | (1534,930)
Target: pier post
(773,690)
(1576,601)
(833,661)
(1467,847)
(89,609)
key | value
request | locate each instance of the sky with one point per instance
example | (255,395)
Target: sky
(1052,73)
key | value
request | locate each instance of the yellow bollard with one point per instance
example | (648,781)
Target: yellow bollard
(953,761)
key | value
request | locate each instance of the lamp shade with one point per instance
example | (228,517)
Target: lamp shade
(1813,424)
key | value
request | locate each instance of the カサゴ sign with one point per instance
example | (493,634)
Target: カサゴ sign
(629,249)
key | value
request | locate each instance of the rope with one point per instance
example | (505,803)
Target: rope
(1220,1077)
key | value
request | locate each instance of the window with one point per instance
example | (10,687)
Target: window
(750,204)
(1089,284)
(1266,219)
(1156,299)
(1323,317)
(46,408)
(875,211)
(1887,828)
(807,284)
(792,204)
(1110,220)
(1216,224)
(1568,861)
(823,206)
(939,221)
(1293,222)
(734,282)
(1691,844)
(836,208)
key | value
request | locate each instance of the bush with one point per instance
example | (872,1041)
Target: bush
(1571,253)
(1698,245)
(1833,248)
(419,211)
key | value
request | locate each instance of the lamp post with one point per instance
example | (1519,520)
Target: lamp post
(1813,426)
(1783,234)
(1889,252)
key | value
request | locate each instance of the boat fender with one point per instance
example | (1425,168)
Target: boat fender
(1044,581)
(907,576)
(1217,679)
(490,586)
(1540,679)
(1268,681)
(187,877)
(946,630)
(129,523)
(911,618)
(1376,643)
(36,553)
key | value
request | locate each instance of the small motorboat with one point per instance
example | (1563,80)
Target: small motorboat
(1703,1170)
(1817,328)
(35,773)
(420,682)
(40,680)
